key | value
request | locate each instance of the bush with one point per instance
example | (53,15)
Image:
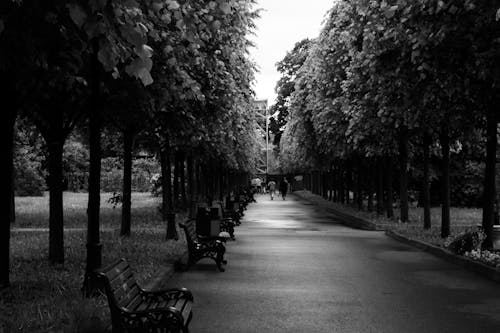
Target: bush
(29,175)
(155,185)
(467,184)
(111,174)
(29,179)
(143,169)
(486,257)
(76,165)
(466,241)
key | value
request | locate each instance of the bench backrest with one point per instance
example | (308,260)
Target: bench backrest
(120,285)
(190,231)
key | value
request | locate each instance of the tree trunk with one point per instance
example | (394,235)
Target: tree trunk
(176,178)
(166,183)
(330,184)
(489,194)
(427,140)
(94,246)
(445,169)
(371,187)
(207,180)
(191,179)
(7,146)
(182,178)
(56,217)
(221,183)
(128,144)
(13,186)
(388,187)
(317,182)
(403,173)
(341,182)
(335,184)
(359,185)
(348,183)
(325,185)
(13,202)
(380,187)
(200,181)
(310,182)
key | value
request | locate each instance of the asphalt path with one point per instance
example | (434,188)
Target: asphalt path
(293,268)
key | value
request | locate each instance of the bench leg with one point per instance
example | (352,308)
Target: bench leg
(219,260)
(231,232)
(219,266)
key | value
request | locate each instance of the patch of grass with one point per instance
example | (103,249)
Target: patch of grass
(461,219)
(33,212)
(432,235)
(45,298)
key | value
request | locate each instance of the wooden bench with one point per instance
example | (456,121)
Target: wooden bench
(134,309)
(203,247)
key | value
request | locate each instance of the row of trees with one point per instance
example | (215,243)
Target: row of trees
(390,86)
(173,73)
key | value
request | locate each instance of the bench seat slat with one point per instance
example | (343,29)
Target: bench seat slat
(126,296)
(145,305)
(134,302)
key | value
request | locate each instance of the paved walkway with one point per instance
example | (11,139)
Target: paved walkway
(293,269)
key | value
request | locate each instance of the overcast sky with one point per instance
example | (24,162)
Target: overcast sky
(281,25)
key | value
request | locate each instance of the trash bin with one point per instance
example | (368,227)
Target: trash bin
(215,217)
(214,228)
(202,222)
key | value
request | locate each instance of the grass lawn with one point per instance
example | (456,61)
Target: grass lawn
(461,219)
(46,298)
(34,211)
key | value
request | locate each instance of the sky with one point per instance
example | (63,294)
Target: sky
(282,24)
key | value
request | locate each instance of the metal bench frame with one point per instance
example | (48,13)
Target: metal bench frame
(134,309)
(203,247)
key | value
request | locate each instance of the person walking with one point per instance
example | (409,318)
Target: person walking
(284,187)
(259,185)
(272,188)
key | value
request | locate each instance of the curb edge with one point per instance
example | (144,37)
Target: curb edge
(469,264)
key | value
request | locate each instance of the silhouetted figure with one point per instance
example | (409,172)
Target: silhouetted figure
(284,187)
(272,187)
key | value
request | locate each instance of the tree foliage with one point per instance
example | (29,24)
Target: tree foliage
(383,75)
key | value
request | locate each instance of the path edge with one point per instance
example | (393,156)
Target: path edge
(477,267)
(469,264)
(345,219)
